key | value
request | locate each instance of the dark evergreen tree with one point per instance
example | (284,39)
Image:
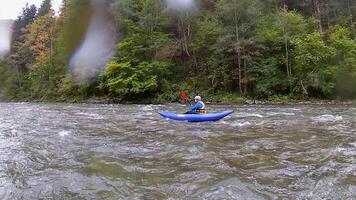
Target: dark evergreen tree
(26,17)
(44,8)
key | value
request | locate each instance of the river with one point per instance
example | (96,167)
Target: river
(87,151)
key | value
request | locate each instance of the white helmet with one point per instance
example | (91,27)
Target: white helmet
(197,98)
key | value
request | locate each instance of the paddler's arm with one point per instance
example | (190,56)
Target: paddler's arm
(197,107)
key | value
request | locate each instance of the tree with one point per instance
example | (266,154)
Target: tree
(279,29)
(312,70)
(73,24)
(205,52)
(26,17)
(127,80)
(45,8)
(318,13)
(70,29)
(139,67)
(345,75)
(19,52)
(40,36)
(20,56)
(40,40)
(240,20)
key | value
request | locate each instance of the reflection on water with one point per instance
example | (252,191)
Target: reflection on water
(65,151)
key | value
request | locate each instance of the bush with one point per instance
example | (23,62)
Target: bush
(126,80)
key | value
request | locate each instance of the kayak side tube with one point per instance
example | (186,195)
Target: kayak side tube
(196,117)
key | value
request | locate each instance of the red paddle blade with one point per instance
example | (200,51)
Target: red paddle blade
(184,95)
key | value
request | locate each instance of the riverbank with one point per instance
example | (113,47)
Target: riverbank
(208,98)
(224,98)
(244,102)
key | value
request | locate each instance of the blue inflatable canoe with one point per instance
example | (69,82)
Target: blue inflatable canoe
(196,117)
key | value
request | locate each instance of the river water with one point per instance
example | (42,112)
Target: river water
(86,151)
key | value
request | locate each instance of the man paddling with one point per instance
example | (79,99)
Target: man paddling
(198,108)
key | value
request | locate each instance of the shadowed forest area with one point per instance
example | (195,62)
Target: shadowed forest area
(223,50)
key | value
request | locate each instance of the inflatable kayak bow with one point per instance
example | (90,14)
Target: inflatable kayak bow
(196,117)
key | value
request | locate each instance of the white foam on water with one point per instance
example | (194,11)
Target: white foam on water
(327,118)
(340,128)
(91,115)
(353,144)
(195,153)
(295,109)
(244,114)
(64,133)
(4,193)
(147,108)
(241,123)
(280,113)
(232,188)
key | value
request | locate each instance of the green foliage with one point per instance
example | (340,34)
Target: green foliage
(170,92)
(311,52)
(271,79)
(278,99)
(140,67)
(312,70)
(281,26)
(45,8)
(20,52)
(73,26)
(341,39)
(13,82)
(127,80)
(296,49)
(26,17)
(224,50)
(345,69)
(204,48)
(226,98)
(346,79)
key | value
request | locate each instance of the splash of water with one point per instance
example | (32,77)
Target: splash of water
(180,5)
(98,45)
(5,37)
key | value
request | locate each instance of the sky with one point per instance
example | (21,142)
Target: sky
(10,9)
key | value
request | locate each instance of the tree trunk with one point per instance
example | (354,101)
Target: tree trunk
(350,12)
(18,78)
(185,34)
(50,57)
(238,51)
(239,69)
(196,65)
(245,77)
(287,56)
(317,13)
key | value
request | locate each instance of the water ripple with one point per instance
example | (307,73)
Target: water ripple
(85,151)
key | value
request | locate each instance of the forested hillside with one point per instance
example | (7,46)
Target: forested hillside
(220,49)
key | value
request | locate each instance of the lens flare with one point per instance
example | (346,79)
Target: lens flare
(98,45)
(5,37)
(180,5)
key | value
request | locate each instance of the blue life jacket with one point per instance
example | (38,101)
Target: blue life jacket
(198,106)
